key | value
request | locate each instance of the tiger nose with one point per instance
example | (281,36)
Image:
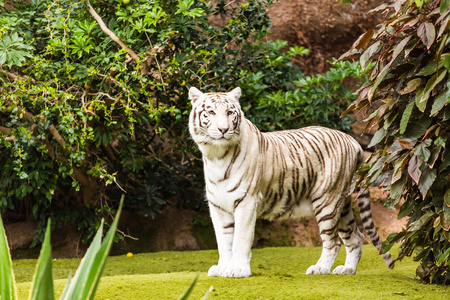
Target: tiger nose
(223,130)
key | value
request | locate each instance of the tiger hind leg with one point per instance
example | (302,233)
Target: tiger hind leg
(352,239)
(327,219)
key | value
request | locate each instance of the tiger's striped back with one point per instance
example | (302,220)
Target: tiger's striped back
(275,175)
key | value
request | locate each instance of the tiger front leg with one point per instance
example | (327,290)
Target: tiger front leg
(245,219)
(223,223)
(234,236)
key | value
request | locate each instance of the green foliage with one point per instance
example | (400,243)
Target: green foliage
(86,279)
(316,100)
(93,100)
(407,97)
(13,51)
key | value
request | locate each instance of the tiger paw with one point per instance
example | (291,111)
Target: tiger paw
(214,271)
(343,270)
(317,270)
(230,271)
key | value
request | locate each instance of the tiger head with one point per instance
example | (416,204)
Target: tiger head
(215,118)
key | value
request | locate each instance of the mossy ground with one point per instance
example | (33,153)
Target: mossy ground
(278,273)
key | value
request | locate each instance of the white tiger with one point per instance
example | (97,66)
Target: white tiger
(275,175)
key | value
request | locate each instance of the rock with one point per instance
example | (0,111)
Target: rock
(20,235)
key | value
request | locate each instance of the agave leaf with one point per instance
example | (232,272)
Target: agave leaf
(79,280)
(42,286)
(86,279)
(100,259)
(7,282)
(186,294)
(66,288)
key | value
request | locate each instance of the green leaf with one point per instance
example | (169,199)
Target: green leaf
(7,282)
(439,102)
(405,209)
(445,217)
(446,60)
(431,68)
(365,57)
(42,285)
(396,190)
(377,137)
(444,6)
(411,86)
(424,219)
(426,180)
(422,96)
(399,48)
(399,167)
(443,257)
(405,117)
(422,151)
(380,78)
(447,197)
(390,241)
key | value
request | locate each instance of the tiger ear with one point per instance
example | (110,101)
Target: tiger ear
(236,93)
(194,94)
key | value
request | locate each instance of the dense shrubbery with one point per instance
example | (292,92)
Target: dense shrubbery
(93,100)
(407,98)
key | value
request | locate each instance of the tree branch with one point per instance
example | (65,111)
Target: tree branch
(110,33)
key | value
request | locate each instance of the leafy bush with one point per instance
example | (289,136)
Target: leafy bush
(407,97)
(93,100)
(73,93)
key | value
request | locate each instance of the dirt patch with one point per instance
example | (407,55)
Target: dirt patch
(326,27)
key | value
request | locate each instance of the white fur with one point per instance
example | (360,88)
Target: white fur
(248,173)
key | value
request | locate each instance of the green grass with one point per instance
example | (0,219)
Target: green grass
(278,273)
